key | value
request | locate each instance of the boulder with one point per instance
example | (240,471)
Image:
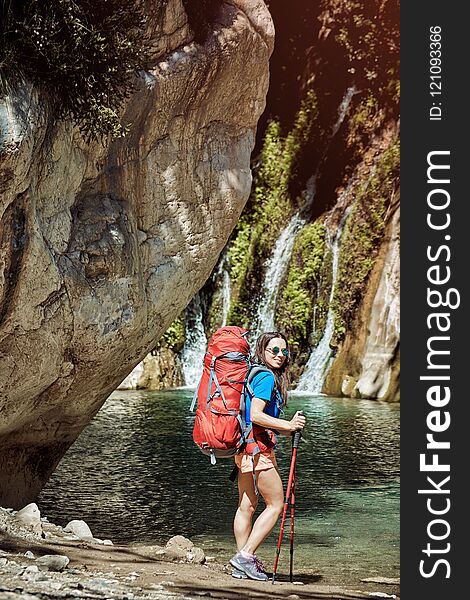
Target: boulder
(181,549)
(30,518)
(104,243)
(79,528)
(53,562)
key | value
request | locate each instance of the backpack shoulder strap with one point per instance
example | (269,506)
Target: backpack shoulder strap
(253,371)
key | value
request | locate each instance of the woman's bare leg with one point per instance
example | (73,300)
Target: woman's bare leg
(270,487)
(247,503)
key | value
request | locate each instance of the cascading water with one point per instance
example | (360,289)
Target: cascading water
(222,280)
(275,271)
(225,296)
(280,258)
(195,343)
(320,359)
(342,110)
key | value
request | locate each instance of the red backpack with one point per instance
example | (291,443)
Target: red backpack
(220,429)
(219,425)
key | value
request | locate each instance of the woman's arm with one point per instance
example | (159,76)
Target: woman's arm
(259,417)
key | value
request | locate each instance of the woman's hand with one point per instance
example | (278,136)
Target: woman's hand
(298,421)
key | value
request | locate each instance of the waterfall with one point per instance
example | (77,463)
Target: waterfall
(222,282)
(343,109)
(321,357)
(225,296)
(280,258)
(275,271)
(195,343)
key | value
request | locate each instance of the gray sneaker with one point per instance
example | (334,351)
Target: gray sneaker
(252,567)
(239,574)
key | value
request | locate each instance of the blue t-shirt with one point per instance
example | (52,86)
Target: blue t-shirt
(264,388)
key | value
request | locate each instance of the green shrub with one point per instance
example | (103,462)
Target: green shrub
(296,304)
(84,54)
(173,338)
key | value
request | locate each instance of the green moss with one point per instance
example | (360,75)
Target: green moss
(364,112)
(240,251)
(361,239)
(366,119)
(296,305)
(268,209)
(322,299)
(173,338)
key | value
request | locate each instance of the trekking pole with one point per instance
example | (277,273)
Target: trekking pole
(295,444)
(292,509)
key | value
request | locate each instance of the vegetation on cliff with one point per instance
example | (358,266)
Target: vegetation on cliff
(84,56)
(368,33)
(362,237)
(269,206)
(295,310)
(173,338)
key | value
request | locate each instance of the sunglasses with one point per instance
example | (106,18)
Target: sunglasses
(276,351)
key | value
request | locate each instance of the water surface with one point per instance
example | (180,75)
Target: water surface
(135,475)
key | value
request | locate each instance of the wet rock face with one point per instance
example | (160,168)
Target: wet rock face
(102,245)
(380,361)
(367,364)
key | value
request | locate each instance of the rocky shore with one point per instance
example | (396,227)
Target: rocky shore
(40,560)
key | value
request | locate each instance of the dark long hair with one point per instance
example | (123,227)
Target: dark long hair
(280,375)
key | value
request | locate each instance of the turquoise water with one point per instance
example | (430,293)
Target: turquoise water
(135,475)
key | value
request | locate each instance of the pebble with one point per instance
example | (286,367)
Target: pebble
(3,562)
(55,585)
(31,569)
(29,554)
(30,575)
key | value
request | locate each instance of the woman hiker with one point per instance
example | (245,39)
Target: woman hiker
(262,410)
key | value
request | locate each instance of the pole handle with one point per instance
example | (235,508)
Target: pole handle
(297,435)
(296,439)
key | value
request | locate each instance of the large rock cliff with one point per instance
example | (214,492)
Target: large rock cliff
(102,245)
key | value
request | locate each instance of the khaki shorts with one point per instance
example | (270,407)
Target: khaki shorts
(263,461)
